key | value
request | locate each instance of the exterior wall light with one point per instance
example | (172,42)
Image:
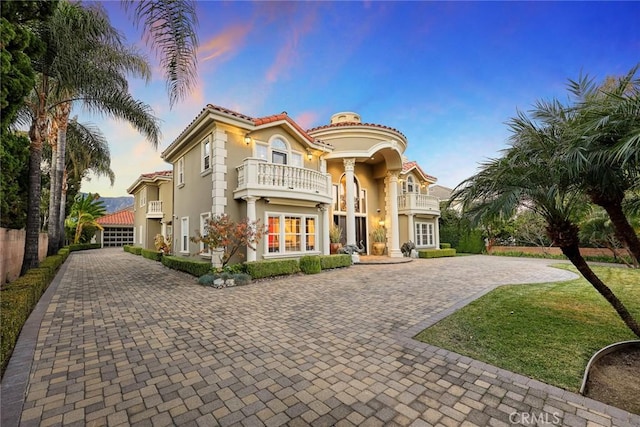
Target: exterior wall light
(247,139)
(309,155)
(381,223)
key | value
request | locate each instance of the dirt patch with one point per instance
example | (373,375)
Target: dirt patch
(615,379)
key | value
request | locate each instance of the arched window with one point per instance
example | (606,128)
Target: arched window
(359,195)
(279,151)
(410,185)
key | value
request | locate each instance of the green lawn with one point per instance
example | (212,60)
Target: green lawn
(544,331)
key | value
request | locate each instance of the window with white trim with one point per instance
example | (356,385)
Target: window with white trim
(410,184)
(204,222)
(205,154)
(262,151)
(291,233)
(424,234)
(360,196)
(184,234)
(181,171)
(279,151)
(296,159)
(143,197)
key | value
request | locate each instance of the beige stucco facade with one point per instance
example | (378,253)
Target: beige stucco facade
(152,207)
(294,182)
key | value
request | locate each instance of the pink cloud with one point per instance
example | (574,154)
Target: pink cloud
(228,41)
(288,54)
(306,119)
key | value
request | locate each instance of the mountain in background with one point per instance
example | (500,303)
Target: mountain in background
(115,204)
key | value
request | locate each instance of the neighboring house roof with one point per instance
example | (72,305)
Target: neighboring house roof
(249,123)
(149,178)
(358,124)
(442,193)
(409,166)
(121,217)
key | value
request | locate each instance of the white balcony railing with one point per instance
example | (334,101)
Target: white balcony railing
(418,203)
(154,209)
(259,178)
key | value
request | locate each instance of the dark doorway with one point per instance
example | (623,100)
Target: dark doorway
(361,230)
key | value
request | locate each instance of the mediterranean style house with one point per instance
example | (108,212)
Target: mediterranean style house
(297,182)
(152,207)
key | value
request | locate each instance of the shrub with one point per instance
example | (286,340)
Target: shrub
(335,261)
(310,264)
(436,253)
(136,250)
(151,254)
(242,279)
(235,268)
(15,305)
(18,299)
(471,242)
(207,279)
(238,278)
(84,246)
(64,253)
(191,266)
(260,269)
(126,248)
(445,245)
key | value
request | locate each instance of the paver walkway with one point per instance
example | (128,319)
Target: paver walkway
(125,341)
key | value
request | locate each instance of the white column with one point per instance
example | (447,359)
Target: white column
(324,208)
(394,251)
(251,215)
(412,232)
(349,165)
(436,232)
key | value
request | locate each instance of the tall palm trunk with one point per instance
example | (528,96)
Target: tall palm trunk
(37,133)
(624,231)
(63,205)
(53,142)
(61,117)
(566,236)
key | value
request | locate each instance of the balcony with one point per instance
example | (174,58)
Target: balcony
(414,203)
(154,209)
(257,178)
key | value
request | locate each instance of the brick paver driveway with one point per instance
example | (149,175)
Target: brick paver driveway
(126,341)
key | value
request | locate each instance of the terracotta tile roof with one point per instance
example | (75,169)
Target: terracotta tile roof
(157,174)
(229,112)
(407,166)
(343,124)
(122,217)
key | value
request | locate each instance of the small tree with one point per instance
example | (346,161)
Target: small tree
(222,234)
(85,213)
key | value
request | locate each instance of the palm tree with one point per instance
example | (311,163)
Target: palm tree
(169,28)
(530,176)
(66,36)
(85,211)
(603,155)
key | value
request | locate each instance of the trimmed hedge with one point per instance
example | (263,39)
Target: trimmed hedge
(436,253)
(310,264)
(151,254)
(280,267)
(193,267)
(127,248)
(84,246)
(136,250)
(335,261)
(19,298)
(445,245)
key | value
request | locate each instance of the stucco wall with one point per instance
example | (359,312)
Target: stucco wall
(12,252)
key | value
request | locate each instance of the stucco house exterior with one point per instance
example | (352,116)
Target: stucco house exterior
(152,207)
(296,182)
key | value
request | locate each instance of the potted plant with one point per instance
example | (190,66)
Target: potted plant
(335,234)
(379,237)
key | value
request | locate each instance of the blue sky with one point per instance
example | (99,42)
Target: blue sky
(446,74)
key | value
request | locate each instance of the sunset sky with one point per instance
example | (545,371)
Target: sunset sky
(446,74)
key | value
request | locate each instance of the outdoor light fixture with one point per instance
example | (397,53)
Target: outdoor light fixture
(381,223)
(247,139)
(309,155)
